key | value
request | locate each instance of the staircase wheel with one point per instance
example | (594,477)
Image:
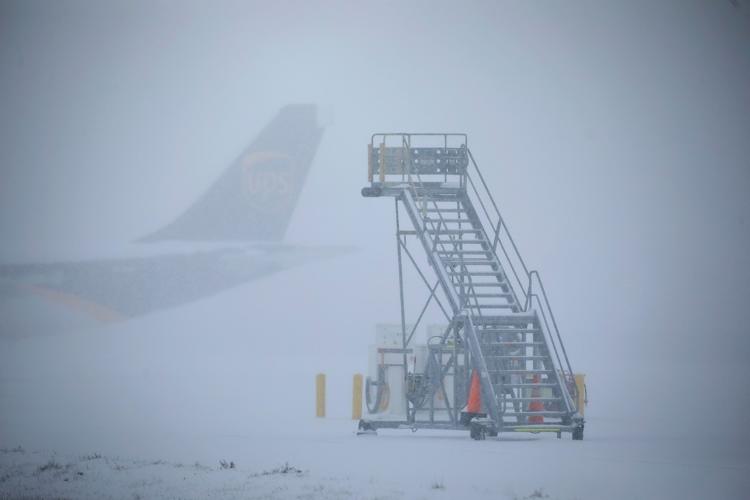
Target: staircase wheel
(477,432)
(474,432)
(578,433)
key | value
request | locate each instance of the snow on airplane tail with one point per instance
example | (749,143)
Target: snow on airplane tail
(255,197)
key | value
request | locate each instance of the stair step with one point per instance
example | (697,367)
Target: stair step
(493,284)
(465,252)
(521,357)
(490,295)
(446,219)
(526,385)
(463,242)
(475,273)
(491,306)
(469,262)
(537,413)
(505,331)
(453,231)
(468,292)
(466,285)
(512,344)
(514,370)
(521,318)
(508,399)
(453,210)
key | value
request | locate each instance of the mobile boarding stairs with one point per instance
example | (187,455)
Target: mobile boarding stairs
(500,326)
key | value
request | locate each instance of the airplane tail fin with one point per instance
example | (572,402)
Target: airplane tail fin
(255,197)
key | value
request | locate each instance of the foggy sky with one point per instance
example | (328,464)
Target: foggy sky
(615,136)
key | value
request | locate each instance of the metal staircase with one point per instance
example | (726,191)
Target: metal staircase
(500,323)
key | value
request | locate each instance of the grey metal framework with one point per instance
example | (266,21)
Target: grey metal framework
(499,318)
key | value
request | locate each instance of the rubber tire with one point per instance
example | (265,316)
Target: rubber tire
(365,426)
(578,433)
(477,432)
(474,432)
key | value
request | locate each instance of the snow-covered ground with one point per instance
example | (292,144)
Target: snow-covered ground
(149,408)
(326,460)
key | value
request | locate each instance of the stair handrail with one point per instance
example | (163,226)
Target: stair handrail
(567,376)
(501,224)
(412,185)
(500,229)
(535,274)
(406,148)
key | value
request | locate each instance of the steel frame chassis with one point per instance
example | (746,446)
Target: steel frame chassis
(459,339)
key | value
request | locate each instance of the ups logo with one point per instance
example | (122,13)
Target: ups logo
(267,175)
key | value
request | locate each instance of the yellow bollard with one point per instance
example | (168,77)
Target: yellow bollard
(320,395)
(357,397)
(581,386)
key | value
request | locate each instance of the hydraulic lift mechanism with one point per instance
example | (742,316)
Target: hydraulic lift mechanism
(498,364)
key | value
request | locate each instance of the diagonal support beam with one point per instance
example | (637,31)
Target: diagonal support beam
(424,280)
(424,308)
(419,227)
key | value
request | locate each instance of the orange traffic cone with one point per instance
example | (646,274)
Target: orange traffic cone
(475,394)
(536,405)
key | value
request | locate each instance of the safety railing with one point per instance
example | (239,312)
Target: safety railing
(434,155)
(522,280)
